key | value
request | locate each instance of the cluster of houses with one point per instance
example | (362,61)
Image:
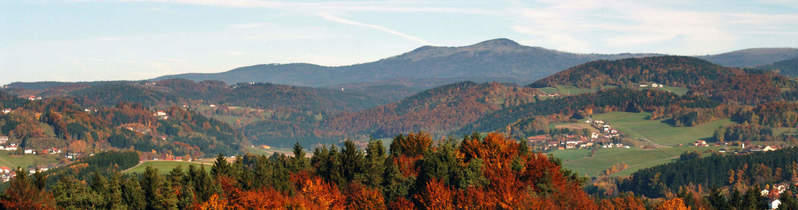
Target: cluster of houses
(606,129)
(34,98)
(154,155)
(743,148)
(4,145)
(6,111)
(7,173)
(161,115)
(573,142)
(653,85)
(773,193)
(604,138)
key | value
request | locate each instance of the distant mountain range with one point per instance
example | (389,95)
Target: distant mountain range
(500,60)
(752,57)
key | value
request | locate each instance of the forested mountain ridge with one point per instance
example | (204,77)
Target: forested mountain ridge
(751,57)
(438,110)
(699,76)
(62,123)
(179,92)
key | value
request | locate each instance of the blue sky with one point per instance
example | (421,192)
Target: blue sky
(87,40)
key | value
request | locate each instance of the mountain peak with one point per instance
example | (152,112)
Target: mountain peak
(500,42)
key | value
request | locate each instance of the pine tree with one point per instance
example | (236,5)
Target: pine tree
(151,184)
(375,158)
(187,196)
(394,184)
(300,162)
(352,162)
(176,176)
(717,200)
(69,193)
(99,185)
(114,199)
(221,167)
(204,187)
(132,194)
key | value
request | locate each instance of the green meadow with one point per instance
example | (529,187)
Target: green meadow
(164,166)
(638,127)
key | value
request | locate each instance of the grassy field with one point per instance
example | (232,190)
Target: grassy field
(581,162)
(268,152)
(637,126)
(676,90)
(164,166)
(789,131)
(571,90)
(12,161)
(575,126)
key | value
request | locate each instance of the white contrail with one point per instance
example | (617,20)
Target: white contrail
(372,26)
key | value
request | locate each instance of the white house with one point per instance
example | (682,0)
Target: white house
(30,152)
(11,147)
(6,111)
(161,114)
(3,139)
(775,204)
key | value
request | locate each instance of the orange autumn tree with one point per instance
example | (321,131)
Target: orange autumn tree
(673,204)
(361,197)
(514,175)
(490,172)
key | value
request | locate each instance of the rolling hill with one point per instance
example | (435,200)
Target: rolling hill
(439,111)
(699,76)
(752,57)
(166,93)
(787,67)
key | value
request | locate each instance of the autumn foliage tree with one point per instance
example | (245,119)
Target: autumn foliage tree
(480,172)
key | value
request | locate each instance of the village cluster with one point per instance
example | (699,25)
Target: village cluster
(7,173)
(606,137)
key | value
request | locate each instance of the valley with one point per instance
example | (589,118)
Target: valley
(604,118)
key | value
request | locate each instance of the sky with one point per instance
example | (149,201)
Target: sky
(90,40)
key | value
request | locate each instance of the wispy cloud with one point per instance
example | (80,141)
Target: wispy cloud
(372,26)
(329,6)
(588,26)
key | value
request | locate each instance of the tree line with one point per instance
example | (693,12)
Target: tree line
(415,172)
